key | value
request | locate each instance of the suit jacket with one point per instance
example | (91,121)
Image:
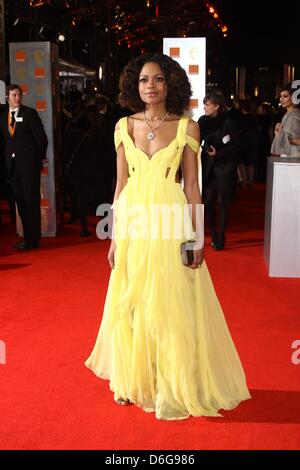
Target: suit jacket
(28,144)
(3,169)
(223,137)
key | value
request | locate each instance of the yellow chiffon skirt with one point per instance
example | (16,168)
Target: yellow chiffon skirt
(164,343)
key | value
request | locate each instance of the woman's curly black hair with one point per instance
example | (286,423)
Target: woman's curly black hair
(179,87)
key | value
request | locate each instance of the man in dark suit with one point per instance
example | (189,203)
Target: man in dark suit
(25,148)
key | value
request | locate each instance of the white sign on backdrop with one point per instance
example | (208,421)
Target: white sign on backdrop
(2,92)
(190,53)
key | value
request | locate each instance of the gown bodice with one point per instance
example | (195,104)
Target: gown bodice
(165,161)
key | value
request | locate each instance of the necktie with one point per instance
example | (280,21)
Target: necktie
(12,122)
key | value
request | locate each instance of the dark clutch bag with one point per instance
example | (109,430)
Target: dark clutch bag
(187,253)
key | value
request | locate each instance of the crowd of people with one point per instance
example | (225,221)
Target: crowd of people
(89,158)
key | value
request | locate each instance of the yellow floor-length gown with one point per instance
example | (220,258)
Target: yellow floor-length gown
(163,342)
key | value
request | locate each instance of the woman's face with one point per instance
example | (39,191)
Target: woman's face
(210,108)
(286,99)
(152,84)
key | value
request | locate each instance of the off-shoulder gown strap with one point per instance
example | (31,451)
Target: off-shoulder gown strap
(121,134)
(184,138)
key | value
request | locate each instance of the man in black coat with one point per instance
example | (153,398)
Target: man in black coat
(25,148)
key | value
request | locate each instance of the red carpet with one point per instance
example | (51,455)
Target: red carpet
(51,303)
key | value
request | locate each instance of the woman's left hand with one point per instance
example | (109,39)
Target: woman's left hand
(198,258)
(213,152)
(278,129)
(293,141)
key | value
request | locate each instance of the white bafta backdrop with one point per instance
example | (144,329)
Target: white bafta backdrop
(190,53)
(2,92)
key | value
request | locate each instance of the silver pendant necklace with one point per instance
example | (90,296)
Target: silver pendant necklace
(151,135)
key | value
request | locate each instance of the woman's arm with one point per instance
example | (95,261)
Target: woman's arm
(122,177)
(122,169)
(294,141)
(192,192)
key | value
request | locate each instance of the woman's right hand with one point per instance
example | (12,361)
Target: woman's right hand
(111,254)
(212,151)
(198,258)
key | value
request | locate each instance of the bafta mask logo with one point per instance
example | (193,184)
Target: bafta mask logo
(194,53)
(39,90)
(39,56)
(21,73)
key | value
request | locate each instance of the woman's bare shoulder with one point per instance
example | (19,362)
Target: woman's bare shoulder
(117,126)
(193,129)
(136,117)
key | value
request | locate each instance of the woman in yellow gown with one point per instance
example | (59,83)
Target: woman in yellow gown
(163,343)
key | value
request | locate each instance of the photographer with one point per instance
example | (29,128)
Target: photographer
(219,164)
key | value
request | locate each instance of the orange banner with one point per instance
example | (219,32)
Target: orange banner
(39,72)
(20,56)
(41,105)
(174,52)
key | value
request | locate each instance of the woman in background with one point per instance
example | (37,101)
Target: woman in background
(219,165)
(287,133)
